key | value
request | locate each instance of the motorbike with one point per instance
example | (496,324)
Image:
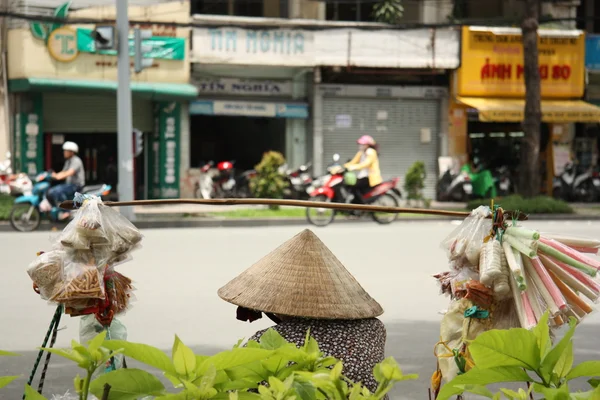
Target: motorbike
(334,189)
(571,186)
(455,187)
(298,182)
(204,186)
(26,214)
(503,182)
(226,184)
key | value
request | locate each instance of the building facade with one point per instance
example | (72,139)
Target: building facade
(487,105)
(63,89)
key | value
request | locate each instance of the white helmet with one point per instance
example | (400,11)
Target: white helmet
(71,146)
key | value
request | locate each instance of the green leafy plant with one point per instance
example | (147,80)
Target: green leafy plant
(269,183)
(270,369)
(5,380)
(535,205)
(388,11)
(414,181)
(42,31)
(526,356)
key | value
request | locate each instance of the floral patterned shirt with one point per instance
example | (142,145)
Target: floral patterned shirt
(359,344)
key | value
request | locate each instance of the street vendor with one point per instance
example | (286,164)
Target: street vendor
(301,285)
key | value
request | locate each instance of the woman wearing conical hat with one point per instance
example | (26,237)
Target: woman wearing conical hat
(301,285)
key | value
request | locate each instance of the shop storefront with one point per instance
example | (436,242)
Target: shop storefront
(63,89)
(587,143)
(406,122)
(487,105)
(253,95)
(275,75)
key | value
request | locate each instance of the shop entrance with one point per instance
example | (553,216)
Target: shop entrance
(243,139)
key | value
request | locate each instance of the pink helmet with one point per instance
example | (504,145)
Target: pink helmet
(366,139)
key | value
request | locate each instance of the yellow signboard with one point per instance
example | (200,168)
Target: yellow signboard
(492,64)
(62,44)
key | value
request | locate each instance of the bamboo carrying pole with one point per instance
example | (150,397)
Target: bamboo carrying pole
(69,205)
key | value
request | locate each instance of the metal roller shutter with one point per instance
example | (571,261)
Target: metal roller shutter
(395,124)
(74,113)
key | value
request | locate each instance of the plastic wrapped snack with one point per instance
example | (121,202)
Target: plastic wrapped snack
(122,234)
(466,240)
(79,281)
(72,239)
(120,288)
(46,271)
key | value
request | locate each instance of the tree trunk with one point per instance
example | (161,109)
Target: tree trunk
(530,146)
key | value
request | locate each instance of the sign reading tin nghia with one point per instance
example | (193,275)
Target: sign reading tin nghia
(492,63)
(61,42)
(28,139)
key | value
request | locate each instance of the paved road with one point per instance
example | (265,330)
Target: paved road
(178,272)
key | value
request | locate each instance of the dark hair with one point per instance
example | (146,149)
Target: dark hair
(374,147)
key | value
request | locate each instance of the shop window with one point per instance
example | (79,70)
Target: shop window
(244,8)
(362,10)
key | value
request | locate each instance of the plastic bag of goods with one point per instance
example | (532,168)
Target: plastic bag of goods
(466,241)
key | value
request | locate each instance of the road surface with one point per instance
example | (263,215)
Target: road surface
(178,272)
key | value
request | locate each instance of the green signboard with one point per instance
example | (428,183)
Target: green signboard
(165,148)
(29,143)
(164,48)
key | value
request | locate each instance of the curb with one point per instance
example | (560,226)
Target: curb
(174,223)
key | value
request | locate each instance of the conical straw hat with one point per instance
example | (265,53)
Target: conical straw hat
(301,278)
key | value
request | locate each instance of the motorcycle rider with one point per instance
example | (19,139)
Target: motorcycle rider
(73,174)
(366,163)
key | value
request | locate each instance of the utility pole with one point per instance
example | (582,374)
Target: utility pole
(529,184)
(125,126)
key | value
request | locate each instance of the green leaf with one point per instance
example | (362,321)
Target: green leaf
(143,353)
(304,390)
(272,340)
(69,355)
(506,348)
(542,334)
(588,369)
(32,394)
(127,384)
(561,393)
(184,359)
(479,390)
(208,379)
(6,380)
(38,30)
(550,361)
(174,396)
(8,354)
(233,358)
(565,362)
(594,382)
(96,342)
(62,12)
(481,376)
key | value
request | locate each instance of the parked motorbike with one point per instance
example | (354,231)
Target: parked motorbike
(455,187)
(298,182)
(26,214)
(503,181)
(6,175)
(335,190)
(571,186)
(20,184)
(204,187)
(226,185)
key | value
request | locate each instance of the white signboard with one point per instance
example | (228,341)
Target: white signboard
(415,48)
(343,121)
(280,47)
(244,87)
(245,108)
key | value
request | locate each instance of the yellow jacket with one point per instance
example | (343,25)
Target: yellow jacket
(371,162)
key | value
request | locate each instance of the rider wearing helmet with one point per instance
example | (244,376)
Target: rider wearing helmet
(366,163)
(72,173)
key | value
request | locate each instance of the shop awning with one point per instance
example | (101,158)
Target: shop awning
(513,110)
(153,91)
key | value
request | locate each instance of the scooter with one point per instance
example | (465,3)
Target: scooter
(456,187)
(204,186)
(335,190)
(26,214)
(570,186)
(298,182)
(502,181)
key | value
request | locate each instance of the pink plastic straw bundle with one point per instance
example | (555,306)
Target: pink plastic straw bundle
(557,296)
(587,250)
(529,314)
(580,276)
(574,254)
